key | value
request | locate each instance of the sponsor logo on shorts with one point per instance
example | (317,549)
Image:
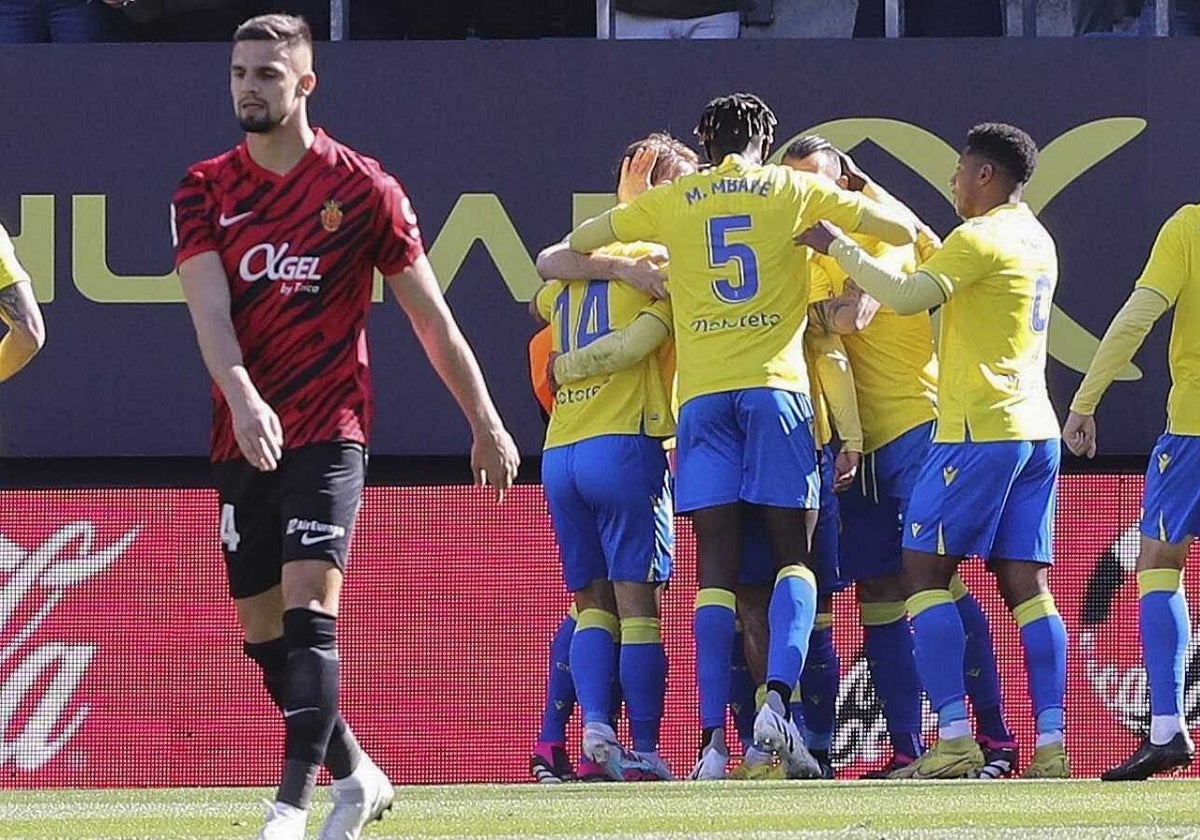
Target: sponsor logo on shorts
(313,532)
(949,474)
(915,528)
(1164,461)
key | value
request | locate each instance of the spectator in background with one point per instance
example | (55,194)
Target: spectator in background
(458,19)
(934,18)
(207,20)
(1097,17)
(678,18)
(58,21)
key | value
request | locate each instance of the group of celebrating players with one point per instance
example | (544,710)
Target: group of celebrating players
(770,326)
(820,441)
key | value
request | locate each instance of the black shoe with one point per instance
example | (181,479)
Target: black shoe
(888,769)
(998,762)
(552,768)
(1152,759)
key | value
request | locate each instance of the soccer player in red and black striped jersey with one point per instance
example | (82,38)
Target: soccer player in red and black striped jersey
(276,243)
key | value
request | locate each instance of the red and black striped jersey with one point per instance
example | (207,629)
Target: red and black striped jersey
(298,251)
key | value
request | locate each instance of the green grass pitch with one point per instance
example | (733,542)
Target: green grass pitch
(726,810)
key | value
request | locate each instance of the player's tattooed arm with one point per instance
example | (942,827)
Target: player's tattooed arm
(26,331)
(848,313)
(647,274)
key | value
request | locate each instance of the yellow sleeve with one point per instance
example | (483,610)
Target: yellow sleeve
(661,309)
(592,234)
(615,351)
(820,199)
(1122,339)
(1167,268)
(545,298)
(820,284)
(906,294)
(11,271)
(961,261)
(642,218)
(832,368)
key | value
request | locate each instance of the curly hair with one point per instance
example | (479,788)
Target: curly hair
(728,124)
(1008,147)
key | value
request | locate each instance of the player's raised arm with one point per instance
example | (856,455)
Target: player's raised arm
(19,311)
(646,274)
(845,314)
(1156,292)
(494,456)
(255,424)
(615,351)
(906,293)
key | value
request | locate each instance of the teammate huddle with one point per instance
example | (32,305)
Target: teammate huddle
(805,364)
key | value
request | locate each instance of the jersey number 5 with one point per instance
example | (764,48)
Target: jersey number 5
(1039,318)
(593,316)
(721,253)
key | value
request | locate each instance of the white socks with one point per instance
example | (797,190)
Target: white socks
(1165,727)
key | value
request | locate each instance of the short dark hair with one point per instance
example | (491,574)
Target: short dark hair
(672,155)
(729,122)
(1006,146)
(286,29)
(807,145)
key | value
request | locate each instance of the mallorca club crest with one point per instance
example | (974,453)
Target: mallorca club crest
(331,215)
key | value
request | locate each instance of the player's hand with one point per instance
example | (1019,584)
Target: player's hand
(854,175)
(494,459)
(928,242)
(635,174)
(258,432)
(819,237)
(648,275)
(845,470)
(551,379)
(1079,434)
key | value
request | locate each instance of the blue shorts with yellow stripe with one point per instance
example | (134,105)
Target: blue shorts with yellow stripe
(873,508)
(758,567)
(610,503)
(993,500)
(754,445)
(1171,504)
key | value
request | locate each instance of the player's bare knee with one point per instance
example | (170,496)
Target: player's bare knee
(1156,554)
(312,584)
(923,571)
(636,600)
(597,595)
(883,590)
(1020,580)
(261,616)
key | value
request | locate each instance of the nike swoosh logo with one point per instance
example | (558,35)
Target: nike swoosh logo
(309,539)
(226,221)
(290,712)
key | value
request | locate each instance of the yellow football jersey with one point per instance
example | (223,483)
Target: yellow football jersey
(818,290)
(998,272)
(893,358)
(636,400)
(10,270)
(739,284)
(1173,271)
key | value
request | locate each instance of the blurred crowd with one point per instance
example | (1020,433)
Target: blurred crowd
(34,21)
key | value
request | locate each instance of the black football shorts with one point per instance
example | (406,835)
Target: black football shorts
(304,510)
